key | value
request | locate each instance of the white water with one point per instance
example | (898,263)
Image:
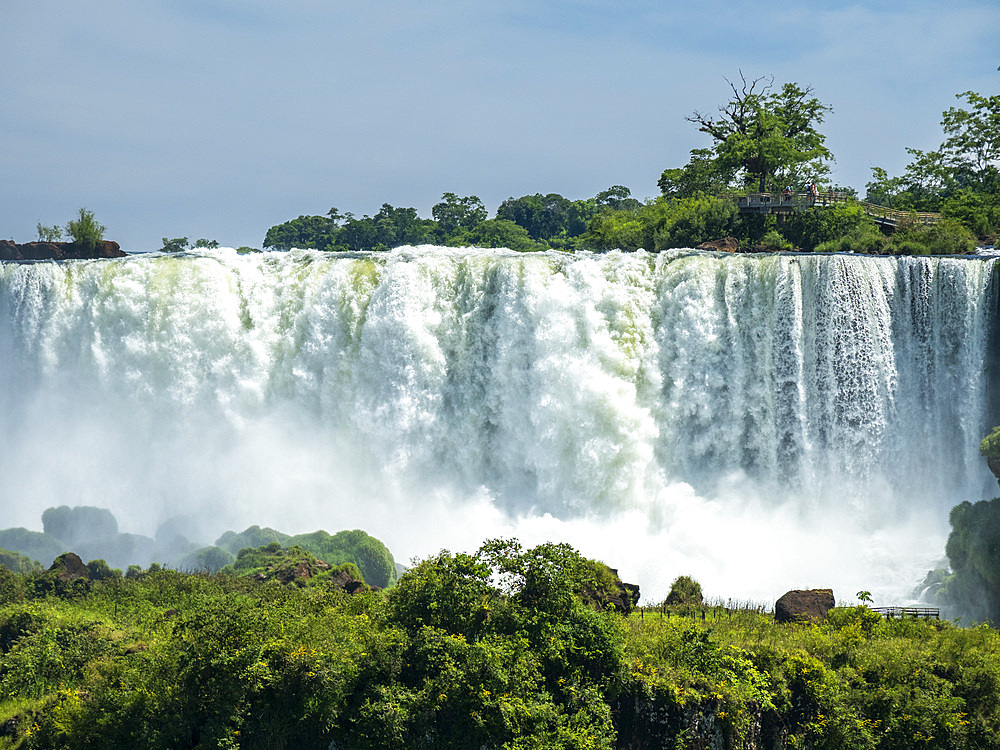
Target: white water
(762,423)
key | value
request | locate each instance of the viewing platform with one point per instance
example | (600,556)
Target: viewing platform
(923,613)
(781,205)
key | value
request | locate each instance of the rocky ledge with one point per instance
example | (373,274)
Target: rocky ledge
(58,250)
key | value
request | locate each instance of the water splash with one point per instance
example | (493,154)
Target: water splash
(759,422)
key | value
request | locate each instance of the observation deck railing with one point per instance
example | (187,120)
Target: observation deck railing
(782,203)
(925,613)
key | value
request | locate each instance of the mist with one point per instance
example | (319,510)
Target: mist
(761,424)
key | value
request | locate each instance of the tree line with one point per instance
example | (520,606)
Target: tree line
(765,138)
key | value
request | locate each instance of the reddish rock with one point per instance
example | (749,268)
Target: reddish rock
(39,251)
(801,606)
(726,244)
(58,250)
(8,250)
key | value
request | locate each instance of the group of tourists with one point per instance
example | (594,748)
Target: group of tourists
(812,190)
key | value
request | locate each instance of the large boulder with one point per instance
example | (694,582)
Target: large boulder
(803,606)
(69,567)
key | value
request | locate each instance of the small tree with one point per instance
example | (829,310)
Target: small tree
(85,230)
(49,234)
(175,245)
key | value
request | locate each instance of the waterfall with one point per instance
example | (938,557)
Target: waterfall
(659,411)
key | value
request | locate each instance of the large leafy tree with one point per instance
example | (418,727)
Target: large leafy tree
(961,179)
(454,214)
(762,137)
(972,146)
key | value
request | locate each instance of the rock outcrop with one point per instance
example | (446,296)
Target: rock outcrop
(617,594)
(726,244)
(802,606)
(994,464)
(69,567)
(58,250)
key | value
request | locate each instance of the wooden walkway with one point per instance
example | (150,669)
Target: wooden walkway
(781,204)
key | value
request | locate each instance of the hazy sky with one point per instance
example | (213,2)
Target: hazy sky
(220,118)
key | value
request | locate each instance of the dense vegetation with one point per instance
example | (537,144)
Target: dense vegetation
(765,138)
(93,533)
(971,587)
(493,649)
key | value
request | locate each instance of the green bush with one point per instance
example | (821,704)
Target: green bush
(775,240)
(989,446)
(85,230)
(684,591)
(809,229)
(945,237)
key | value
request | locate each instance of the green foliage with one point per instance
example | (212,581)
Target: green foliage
(979,212)
(368,553)
(99,570)
(684,591)
(33,544)
(664,223)
(762,138)
(989,446)
(502,233)
(961,179)
(624,229)
(18,563)
(456,215)
(809,229)
(774,240)
(490,649)
(85,230)
(208,244)
(701,175)
(49,234)
(866,239)
(210,559)
(316,232)
(945,237)
(973,550)
(252,536)
(688,222)
(972,146)
(175,245)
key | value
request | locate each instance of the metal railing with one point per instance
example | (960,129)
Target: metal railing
(925,613)
(786,202)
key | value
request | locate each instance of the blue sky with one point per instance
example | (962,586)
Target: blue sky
(220,118)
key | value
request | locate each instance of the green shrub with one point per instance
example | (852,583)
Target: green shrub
(810,229)
(773,239)
(945,237)
(989,446)
(100,571)
(85,230)
(684,591)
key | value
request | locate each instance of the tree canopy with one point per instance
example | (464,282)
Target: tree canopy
(761,137)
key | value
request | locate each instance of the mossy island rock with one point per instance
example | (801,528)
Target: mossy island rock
(606,590)
(804,606)
(69,567)
(294,566)
(59,250)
